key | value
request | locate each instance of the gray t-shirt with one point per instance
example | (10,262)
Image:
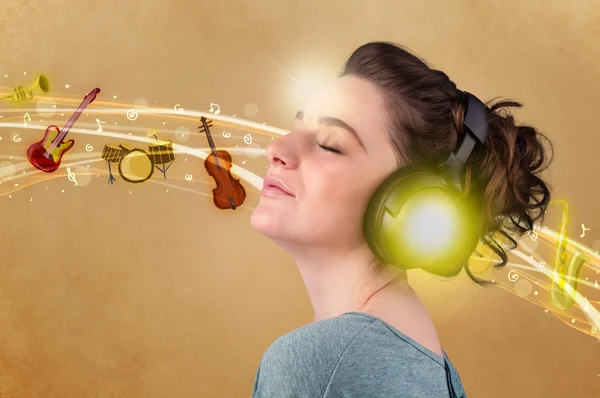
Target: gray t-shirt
(353,355)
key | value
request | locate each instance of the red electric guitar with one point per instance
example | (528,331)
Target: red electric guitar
(46,154)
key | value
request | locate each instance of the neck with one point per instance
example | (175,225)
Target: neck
(65,130)
(340,280)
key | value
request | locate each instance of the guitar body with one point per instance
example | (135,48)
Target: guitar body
(35,153)
(53,141)
(228,189)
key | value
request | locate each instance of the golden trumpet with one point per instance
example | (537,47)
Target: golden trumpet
(565,273)
(22,95)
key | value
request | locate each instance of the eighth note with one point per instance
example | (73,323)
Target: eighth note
(28,118)
(584,229)
(98,121)
(216,111)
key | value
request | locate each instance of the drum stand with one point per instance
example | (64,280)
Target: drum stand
(111,179)
(112,154)
(164,169)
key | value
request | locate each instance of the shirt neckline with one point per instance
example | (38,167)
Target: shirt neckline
(437,358)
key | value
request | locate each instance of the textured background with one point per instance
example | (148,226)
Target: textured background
(106,293)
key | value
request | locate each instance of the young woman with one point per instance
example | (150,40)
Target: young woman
(371,335)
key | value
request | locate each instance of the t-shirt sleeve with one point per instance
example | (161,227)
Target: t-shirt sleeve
(254,389)
(300,364)
(292,371)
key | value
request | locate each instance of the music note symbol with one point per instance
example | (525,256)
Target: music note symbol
(98,121)
(28,118)
(584,229)
(71,176)
(216,111)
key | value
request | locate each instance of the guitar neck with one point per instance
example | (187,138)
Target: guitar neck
(72,120)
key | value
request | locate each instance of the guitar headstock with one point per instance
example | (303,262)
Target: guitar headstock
(205,124)
(92,94)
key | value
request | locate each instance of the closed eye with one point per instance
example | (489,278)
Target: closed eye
(330,149)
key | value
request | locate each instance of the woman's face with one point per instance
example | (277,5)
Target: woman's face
(331,171)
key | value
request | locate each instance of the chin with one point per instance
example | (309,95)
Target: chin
(265,222)
(275,226)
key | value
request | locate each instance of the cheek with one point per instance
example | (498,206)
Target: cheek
(336,196)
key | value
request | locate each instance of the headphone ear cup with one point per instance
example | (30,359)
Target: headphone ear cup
(390,222)
(387,203)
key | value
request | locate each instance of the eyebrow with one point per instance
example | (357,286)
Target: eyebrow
(335,122)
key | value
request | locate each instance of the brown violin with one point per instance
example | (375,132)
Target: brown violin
(229,193)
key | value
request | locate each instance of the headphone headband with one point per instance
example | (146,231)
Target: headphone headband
(476,117)
(475,127)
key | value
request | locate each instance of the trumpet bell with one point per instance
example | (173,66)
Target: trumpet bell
(42,83)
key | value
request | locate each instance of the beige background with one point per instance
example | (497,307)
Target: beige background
(106,293)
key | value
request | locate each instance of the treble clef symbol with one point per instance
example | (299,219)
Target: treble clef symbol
(71,176)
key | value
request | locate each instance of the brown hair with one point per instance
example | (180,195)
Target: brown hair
(425,115)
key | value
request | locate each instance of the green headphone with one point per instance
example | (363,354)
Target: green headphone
(419,217)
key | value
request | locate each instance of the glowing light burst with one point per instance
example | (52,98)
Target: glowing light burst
(302,81)
(432,224)
(306,84)
(529,278)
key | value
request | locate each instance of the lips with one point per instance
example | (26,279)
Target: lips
(271,183)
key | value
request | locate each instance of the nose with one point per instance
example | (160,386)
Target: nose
(281,151)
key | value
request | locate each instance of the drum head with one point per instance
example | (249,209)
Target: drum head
(136,166)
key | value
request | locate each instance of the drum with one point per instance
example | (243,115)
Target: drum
(136,166)
(161,153)
(112,153)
